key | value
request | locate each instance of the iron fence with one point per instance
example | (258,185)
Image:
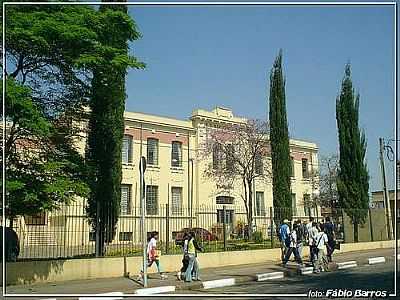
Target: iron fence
(66,233)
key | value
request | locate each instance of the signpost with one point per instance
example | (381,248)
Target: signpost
(142,169)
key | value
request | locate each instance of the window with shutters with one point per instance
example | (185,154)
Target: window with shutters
(224,199)
(151,200)
(152,151)
(217,156)
(291,166)
(304,167)
(125,236)
(127,149)
(258,161)
(294,204)
(176,204)
(230,157)
(260,204)
(176,155)
(125,199)
(229,215)
(307,204)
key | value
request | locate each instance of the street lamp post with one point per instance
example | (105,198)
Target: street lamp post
(191,193)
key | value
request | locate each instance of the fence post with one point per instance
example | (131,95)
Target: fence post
(224,228)
(272,226)
(370,224)
(166,228)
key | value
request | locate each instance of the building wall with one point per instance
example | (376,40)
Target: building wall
(196,188)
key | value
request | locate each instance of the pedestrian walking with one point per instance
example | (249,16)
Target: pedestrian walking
(320,262)
(301,236)
(293,247)
(284,238)
(312,235)
(193,269)
(185,258)
(309,224)
(329,229)
(153,256)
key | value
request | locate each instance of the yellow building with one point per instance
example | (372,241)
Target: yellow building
(178,195)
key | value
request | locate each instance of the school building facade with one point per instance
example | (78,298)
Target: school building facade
(175,181)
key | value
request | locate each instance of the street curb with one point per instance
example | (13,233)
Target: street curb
(268,276)
(289,271)
(155,290)
(376,260)
(117,296)
(347,264)
(306,270)
(218,283)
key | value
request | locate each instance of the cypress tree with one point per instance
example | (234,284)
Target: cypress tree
(106,122)
(352,181)
(279,139)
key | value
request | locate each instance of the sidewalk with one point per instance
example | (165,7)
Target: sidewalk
(240,274)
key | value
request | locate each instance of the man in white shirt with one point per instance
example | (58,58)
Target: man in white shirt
(312,235)
(293,247)
(321,244)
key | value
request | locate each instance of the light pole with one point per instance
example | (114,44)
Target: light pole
(142,169)
(382,148)
(191,193)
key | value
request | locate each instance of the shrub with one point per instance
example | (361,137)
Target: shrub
(257,236)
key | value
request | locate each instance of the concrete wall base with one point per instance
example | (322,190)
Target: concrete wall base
(82,269)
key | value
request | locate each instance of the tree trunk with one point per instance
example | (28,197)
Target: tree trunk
(355,231)
(250,213)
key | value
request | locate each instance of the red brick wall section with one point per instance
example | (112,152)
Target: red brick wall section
(163,137)
(300,155)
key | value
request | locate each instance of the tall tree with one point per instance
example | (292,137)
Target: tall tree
(279,137)
(106,123)
(352,181)
(47,52)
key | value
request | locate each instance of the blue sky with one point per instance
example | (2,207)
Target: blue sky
(202,57)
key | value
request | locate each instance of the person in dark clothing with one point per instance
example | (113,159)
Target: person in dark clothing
(185,259)
(293,247)
(329,229)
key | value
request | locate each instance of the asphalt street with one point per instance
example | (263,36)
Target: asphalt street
(367,277)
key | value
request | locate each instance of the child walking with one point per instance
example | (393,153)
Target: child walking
(153,256)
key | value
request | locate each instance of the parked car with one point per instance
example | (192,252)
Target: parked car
(11,244)
(201,234)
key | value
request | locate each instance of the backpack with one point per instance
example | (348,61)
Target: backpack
(301,233)
(284,237)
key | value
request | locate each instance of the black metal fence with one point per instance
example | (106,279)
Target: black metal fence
(66,233)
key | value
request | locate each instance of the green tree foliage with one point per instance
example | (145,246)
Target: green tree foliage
(106,123)
(279,138)
(353,178)
(52,52)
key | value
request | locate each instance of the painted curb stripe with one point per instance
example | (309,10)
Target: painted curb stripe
(156,290)
(267,276)
(306,270)
(113,296)
(376,260)
(347,264)
(218,283)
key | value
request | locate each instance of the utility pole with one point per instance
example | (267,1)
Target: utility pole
(385,191)
(142,169)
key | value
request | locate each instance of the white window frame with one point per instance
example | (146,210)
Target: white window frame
(152,146)
(176,200)
(127,154)
(176,154)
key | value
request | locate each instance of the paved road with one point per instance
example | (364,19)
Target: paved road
(374,277)
(368,277)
